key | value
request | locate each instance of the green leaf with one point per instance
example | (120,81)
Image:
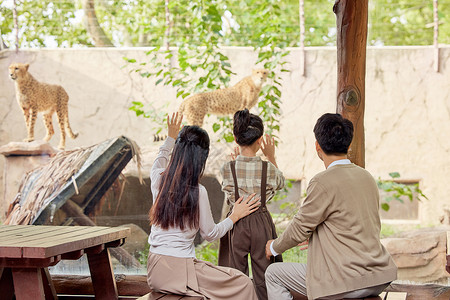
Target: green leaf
(385,206)
(216,127)
(394,174)
(229,138)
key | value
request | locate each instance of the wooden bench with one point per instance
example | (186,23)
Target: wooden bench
(161,296)
(26,252)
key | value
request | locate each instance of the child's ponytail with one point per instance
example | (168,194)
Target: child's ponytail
(247,127)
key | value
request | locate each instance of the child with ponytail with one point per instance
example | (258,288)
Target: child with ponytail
(243,176)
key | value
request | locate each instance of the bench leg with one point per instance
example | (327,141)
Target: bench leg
(49,288)
(6,284)
(28,283)
(102,275)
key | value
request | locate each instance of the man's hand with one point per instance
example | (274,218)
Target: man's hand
(173,125)
(268,252)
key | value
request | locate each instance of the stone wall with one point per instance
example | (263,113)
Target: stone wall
(407,119)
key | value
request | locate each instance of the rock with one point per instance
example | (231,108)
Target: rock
(38,147)
(136,242)
(420,255)
(20,158)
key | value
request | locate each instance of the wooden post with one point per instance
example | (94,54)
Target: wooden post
(351,21)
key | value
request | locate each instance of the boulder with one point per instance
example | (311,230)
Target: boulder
(420,255)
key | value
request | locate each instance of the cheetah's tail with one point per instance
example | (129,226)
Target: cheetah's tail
(71,133)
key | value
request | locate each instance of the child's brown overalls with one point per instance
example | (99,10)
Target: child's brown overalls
(250,235)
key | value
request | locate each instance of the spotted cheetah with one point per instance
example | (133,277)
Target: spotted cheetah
(34,96)
(224,101)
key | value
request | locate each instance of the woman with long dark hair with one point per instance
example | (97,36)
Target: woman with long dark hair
(181,208)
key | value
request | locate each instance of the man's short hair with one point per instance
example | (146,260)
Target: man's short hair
(333,133)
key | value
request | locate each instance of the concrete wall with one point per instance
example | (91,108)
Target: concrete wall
(407,119)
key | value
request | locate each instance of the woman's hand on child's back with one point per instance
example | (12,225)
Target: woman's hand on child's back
(174,124)
(243,208)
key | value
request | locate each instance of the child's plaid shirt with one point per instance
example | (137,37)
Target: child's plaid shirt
(248,174)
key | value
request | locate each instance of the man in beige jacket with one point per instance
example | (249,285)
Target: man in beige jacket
(340,220)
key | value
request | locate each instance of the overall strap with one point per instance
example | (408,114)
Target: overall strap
(263,183)
(233,172)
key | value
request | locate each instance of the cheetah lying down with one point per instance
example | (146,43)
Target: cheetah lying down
(224,101)
(34,96)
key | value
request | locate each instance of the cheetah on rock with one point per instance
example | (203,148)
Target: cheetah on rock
(34,96)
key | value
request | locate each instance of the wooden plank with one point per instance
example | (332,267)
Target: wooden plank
(21,262)
(13,248)
(6,284)
(46,241)
(28,284)
(5,229)
(102,276)
(127,285)
(70,244)
(421,292)
(76,233)
(33,234)
(74,255)
(394,295)
(61,234)
(11,252)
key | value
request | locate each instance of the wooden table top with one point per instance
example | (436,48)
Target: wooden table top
(29,241)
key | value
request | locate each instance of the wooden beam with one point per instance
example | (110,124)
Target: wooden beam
(102,275)
(421,292)
(351,21)
(77,213)
(127,285)
(136,285)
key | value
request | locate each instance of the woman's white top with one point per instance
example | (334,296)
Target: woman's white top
(174,241)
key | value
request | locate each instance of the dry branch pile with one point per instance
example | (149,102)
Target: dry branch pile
(40,185)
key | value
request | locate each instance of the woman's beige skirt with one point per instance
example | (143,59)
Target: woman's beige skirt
(192,277)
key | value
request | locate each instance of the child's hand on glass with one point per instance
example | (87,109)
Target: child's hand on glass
(237,151)
(174,124)
(268,146)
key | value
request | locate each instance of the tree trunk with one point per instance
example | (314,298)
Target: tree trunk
(93,26)
(301,13)
(351,21)
(436,35)
(16,25)
(2,42)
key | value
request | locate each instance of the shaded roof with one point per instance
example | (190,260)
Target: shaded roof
(82,175)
